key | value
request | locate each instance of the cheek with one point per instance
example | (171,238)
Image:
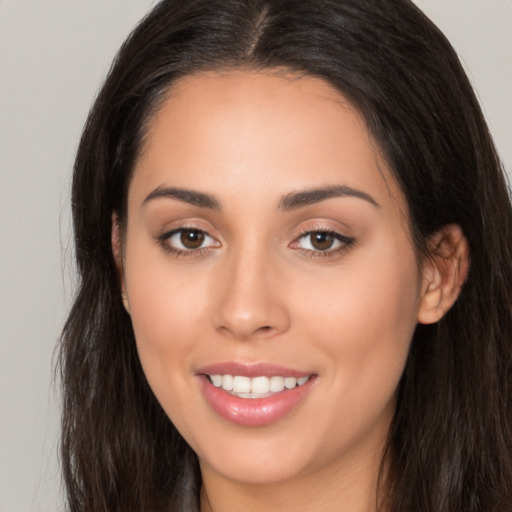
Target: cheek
(155,306)
(166,311)
(364,317)
(166,321)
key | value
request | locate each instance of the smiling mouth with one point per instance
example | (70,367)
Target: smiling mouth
(255,387)
(254,395)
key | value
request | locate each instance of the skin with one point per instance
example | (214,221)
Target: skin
(257,290)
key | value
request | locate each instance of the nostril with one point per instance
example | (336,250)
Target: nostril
(265,330)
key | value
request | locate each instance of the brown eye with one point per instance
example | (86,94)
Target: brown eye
(326,242)
(192,238)
(321,241)
(188,242)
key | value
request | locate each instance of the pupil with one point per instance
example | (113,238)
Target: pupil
(192,238)
(322,241)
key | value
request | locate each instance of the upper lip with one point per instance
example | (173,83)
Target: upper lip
(251,370)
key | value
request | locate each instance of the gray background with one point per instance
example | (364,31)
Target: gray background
(53,56)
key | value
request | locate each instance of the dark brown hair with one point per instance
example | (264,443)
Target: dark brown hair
(450,444)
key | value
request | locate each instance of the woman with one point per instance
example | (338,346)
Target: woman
(293,238)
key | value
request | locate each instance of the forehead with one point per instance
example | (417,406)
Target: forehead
(239,130)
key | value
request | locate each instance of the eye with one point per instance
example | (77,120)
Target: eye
(187,240)
(323,241)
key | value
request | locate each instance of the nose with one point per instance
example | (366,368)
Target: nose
(252,301)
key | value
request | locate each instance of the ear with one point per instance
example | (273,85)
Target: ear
(444,271)
(117,251)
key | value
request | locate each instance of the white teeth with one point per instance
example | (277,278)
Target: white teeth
(241,384)
(260,385)
(216,380)
(227,382)
(256,387)
(276,384)
(290,382)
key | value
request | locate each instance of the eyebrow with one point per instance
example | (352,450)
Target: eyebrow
(291,201)
(300,199)
(185,195)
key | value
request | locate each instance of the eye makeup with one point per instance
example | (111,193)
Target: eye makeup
(192,241)
(323,243)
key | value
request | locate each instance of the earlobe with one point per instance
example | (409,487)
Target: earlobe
(444,271)
(117,251)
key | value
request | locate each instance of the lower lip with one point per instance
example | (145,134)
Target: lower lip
(253,412)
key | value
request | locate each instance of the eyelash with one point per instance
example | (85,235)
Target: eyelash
(164,241)
(345,243)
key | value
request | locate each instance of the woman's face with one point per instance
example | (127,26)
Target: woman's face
(268,241)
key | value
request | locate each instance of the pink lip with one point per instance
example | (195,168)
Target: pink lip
(252,412)
(250,370)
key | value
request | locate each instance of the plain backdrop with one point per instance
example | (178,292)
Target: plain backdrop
(53,57)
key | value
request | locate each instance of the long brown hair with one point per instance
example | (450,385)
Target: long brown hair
(450,444)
